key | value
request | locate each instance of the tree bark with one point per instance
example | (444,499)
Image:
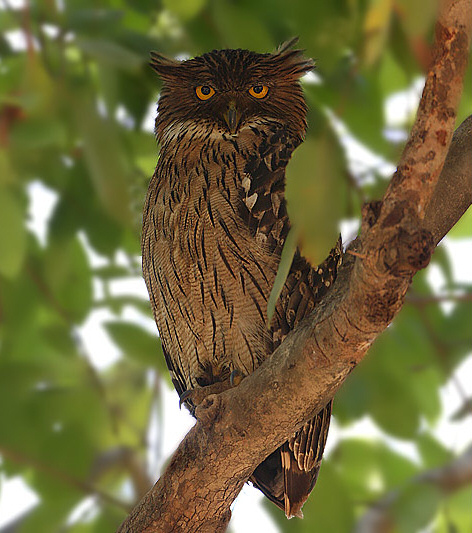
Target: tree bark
(236,430)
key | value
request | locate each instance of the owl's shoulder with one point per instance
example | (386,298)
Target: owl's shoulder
(263,205)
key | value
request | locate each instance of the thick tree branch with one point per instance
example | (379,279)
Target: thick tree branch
(455,185)
(236,430)
(448,478)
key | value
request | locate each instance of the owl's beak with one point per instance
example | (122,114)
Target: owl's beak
(231,118)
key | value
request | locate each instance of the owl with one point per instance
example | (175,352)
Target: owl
(214,225)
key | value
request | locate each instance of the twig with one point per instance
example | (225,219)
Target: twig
(448,478)
(416,299)
(63,477)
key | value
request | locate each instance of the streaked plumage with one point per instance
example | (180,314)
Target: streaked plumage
(214,226)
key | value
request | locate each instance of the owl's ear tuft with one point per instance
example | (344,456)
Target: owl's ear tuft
(286,45)
(291,63)
(166,67)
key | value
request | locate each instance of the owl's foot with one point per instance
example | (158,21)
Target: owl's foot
(195,397)
(235,378)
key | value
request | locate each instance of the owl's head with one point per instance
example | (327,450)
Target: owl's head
(227,90)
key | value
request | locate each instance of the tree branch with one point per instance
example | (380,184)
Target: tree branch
(448,478)
(63,477)
(236,430)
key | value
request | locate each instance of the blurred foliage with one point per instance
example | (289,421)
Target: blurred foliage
(75,96)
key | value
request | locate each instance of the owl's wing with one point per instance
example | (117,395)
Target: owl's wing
(301,455)
(175,373)
(288,476)
(263,206)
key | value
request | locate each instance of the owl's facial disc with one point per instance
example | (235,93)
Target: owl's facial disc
(226,92)
(232,118)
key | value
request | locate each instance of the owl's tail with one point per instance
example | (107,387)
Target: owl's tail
(298,483)
(289,474)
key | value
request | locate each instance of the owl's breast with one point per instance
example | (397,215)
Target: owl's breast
(210,263)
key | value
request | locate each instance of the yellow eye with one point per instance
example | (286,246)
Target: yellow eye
(259,91)
(204,92)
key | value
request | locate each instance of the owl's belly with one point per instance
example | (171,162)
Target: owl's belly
(214,281)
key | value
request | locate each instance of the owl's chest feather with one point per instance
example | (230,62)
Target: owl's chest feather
(214,269)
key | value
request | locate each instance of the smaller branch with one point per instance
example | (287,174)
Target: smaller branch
(448,479)
(127,459)
(417,175)
(45,290)
(464,410)
(442,349)
(63,477)
(455,184)
(416,299)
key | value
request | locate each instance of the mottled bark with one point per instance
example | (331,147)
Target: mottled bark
(236,430)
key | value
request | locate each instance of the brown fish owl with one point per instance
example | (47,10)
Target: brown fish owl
(214,226)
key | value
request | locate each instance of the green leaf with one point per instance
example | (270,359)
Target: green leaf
(313,192)
(136,343)
(443,260)
(36,133)
(402,364)
(112,271)
(108,520)
(49,515)
(80,208)
(392,77)
(67,273)
(240,28)
(370,468)
(8,174)
(433,453)
(286,259)
(109,169)
(455,331)
(186,9)
(465,104)
(456,516)
(416,507)
(376,26)
(358,101)
(8,21)
(418,16)
(12,234)
(400,47)
(129,393)
(327,29)
(111,53)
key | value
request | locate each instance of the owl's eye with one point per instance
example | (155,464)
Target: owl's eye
(204,92)
(259,91)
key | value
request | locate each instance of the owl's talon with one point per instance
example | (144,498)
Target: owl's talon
(185,396)
(235,378)
(194,397)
